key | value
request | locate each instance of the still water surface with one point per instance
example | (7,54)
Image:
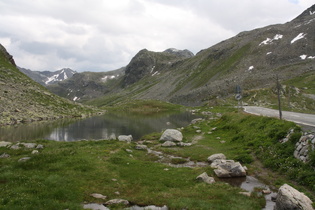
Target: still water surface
(107,126)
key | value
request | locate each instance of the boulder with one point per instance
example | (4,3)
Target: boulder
(168,144)
(205,178)
(117,201)
(182,144)
(29,145)
(141,147)
(40,146)
(290,198)
(194,121)
(171,135)
(15,147)
(125,138)
(4,143)
(5,155)
(24,159)
(151,207)
(219,156)
(228,168)
(35,152)
(99,196)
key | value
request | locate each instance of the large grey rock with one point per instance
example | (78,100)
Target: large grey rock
(290,199)
(125,138)
(205,178)
(228,168)
(171,135)
(216,156)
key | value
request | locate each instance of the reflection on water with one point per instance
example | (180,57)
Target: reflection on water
(106,126)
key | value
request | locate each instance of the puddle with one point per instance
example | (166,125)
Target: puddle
(249,183)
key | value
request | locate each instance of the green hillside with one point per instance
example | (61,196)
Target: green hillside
(23,100)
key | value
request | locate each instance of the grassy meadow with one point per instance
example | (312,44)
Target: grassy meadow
(64,174)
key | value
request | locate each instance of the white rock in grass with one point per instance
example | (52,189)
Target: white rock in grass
(168,144)
(117,201)
(219,156)
(171,135)
(99,196)
(125,138)
(205,178)
(4,143)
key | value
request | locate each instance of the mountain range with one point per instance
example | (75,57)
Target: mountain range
(47,77)
(251,60)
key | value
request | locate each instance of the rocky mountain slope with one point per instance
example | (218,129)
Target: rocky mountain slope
(88,85)
(251,60)
(47,77)
(22,99)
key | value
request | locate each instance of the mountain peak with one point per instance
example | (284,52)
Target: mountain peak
(182,53)
(310,12)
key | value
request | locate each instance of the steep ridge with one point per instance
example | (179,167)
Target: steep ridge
(251,60)
(147,63)
(23,100)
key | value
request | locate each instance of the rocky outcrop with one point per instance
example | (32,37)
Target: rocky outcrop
(180,53)
(304,146)
(226,168)
(7,55)
(171,135)
(289,198)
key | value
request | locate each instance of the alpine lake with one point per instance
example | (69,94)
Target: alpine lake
(101,127)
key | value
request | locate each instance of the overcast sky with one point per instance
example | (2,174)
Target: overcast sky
(102,35)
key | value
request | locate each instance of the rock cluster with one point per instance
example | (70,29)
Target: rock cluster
(18,146)
(303,146)
(226,168)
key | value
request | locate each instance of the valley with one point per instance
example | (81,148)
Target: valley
(116,157)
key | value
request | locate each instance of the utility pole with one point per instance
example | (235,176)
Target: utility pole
(279,98)
(238,97)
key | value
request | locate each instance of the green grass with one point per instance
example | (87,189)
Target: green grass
(63,175)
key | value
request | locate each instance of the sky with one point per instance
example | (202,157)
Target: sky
(103,35)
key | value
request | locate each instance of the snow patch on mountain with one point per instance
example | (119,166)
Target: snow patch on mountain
(269,41)
(250,68)
(58,76)
(298,37)
(303,57)
(109,77)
